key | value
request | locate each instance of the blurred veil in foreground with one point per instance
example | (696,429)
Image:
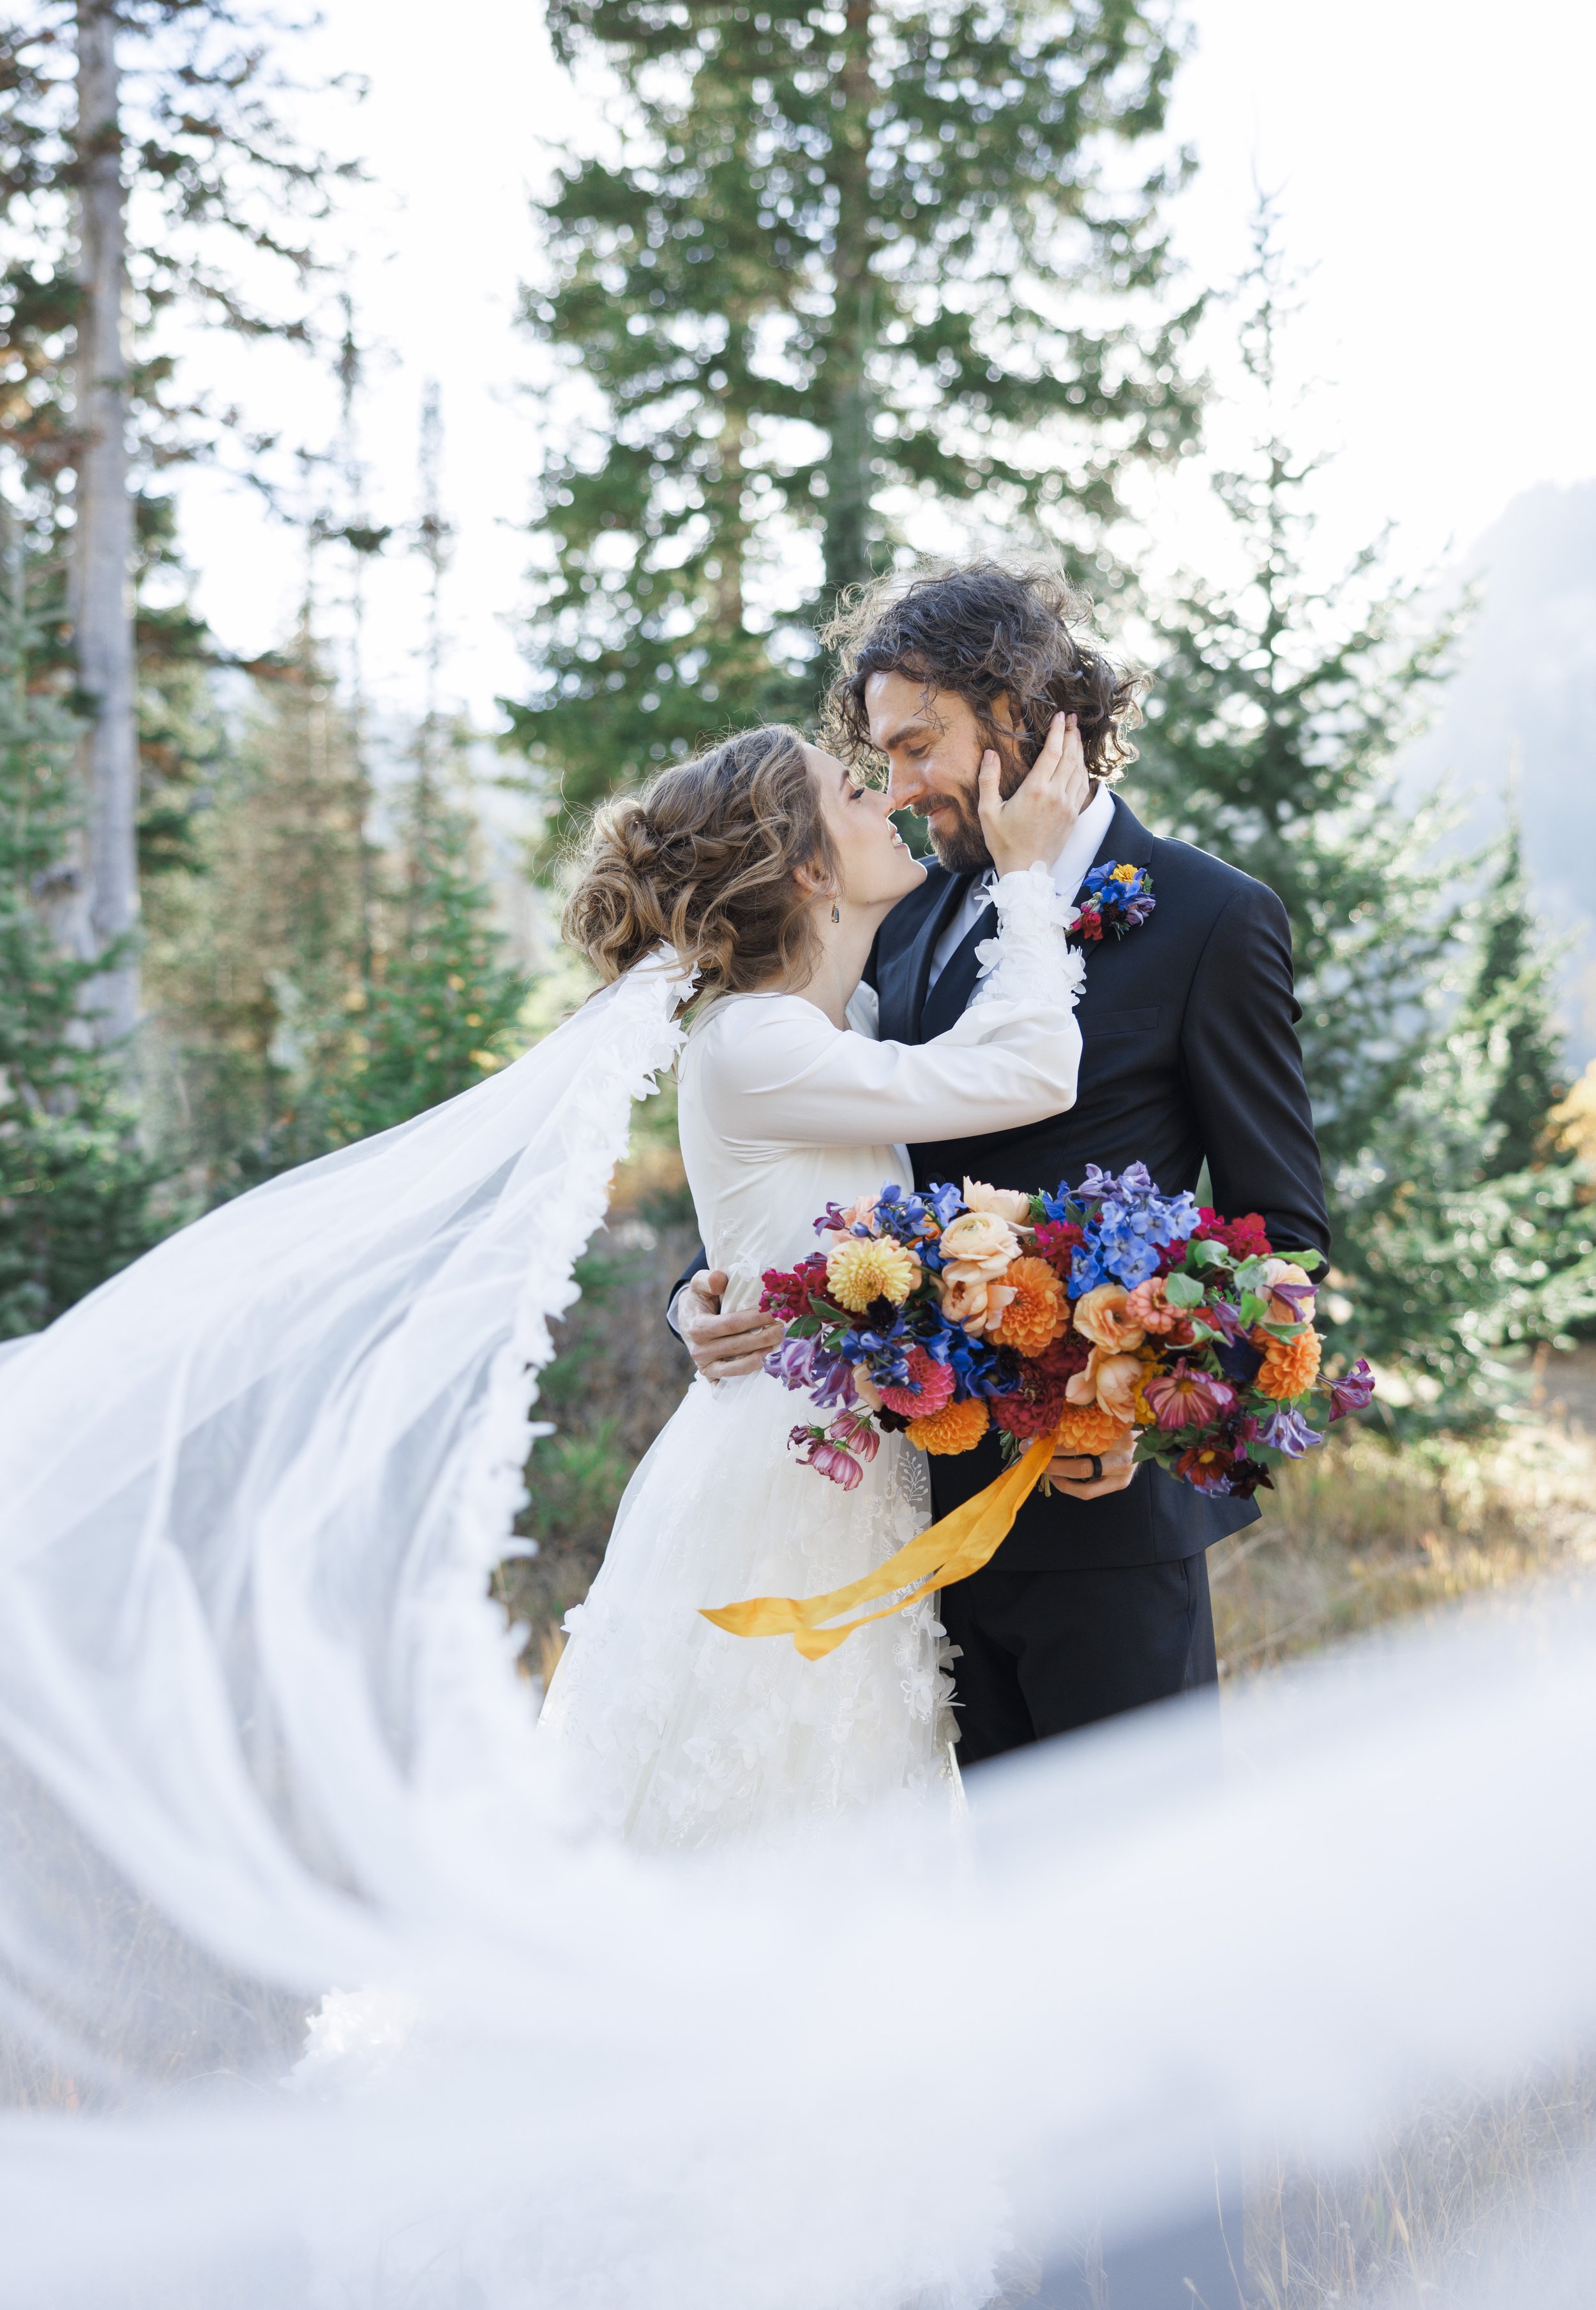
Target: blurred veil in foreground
(313,1991)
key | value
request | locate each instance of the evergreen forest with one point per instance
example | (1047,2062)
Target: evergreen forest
(837,273)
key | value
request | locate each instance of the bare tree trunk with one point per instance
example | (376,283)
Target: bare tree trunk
(102,551)
(850,477)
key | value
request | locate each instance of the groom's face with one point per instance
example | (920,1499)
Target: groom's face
(934,744)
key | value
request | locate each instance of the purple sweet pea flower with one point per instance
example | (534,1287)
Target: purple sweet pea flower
(1289,1432)
(1352,1391)
(1224,1317)
(805,1363)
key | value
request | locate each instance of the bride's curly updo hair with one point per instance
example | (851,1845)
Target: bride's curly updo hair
(704,860)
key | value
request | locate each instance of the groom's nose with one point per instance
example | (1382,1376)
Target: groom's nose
(906,785)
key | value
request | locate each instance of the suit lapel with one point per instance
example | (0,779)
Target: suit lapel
(902,975)
(948,998)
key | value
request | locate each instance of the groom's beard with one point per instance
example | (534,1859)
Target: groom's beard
(956,834)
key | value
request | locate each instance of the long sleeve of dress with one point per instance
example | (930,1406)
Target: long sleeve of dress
(775,1070)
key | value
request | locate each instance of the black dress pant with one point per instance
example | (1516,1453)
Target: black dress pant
(1043,1652)
(1048,1651)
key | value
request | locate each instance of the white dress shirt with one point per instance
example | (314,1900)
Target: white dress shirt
(1069,872)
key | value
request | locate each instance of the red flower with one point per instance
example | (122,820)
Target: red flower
(1035,1408)
(787,1294)
(1244,1238)
(1064,1358)
(1057,1241)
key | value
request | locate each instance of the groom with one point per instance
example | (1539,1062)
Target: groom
(1098,1600)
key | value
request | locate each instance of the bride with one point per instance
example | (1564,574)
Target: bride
(768,868)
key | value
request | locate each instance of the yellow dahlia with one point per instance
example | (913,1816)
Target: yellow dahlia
(863,1268)
(1038,1314)
(956,1428)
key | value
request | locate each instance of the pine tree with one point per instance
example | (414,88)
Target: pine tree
(79,1195)
(1271,728)
(442,1004)
(844,258)
(1512,1008)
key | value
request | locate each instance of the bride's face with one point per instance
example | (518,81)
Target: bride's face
(875,865)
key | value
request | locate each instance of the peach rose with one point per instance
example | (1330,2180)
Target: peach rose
(1148,1306)
(1008,1202)
(1287,1311)
(870,1395)
(976,1300)
(1111,1380)
(1102,1314)
(981,1241)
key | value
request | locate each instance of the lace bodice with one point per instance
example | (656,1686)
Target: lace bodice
(782,1112)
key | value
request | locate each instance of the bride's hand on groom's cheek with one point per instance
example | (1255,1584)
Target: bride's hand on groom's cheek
(1074,1476)
(724,1347)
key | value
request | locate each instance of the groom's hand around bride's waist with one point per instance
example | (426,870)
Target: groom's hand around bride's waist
(723,1347)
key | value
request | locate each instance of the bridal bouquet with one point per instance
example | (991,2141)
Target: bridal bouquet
(1086,1316)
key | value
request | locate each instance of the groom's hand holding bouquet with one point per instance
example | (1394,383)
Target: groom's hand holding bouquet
(1108,1318)
(1105,1318)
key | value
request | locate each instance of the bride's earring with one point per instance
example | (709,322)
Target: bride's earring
(836,912)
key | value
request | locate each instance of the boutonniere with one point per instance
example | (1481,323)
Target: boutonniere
(1112,898)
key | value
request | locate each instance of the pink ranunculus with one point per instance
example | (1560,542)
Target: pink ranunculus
(1008,1202)
(1188,1398)
(1101,1313)
(1148,1306)
(931,1387)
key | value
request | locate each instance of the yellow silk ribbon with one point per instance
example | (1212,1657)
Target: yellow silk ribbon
(950,1549)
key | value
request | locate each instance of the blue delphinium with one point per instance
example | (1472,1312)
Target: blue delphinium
(1127,1222)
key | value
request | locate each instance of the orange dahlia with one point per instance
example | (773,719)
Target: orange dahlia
(956,1428)
(1038,1314)
(1088,1428)
(1289,1365)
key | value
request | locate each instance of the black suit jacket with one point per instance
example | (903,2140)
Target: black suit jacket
(1190,1050)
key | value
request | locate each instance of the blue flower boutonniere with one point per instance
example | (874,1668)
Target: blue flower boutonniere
(1112,898)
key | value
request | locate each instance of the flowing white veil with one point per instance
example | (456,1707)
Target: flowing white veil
(312,1993)
(253,1487)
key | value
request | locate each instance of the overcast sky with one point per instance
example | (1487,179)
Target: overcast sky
(1433,162)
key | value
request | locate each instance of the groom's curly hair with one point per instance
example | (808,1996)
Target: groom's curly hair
(989,633)
(704,860)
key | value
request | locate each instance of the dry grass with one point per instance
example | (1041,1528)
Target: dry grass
(1358,1534)
(1480,2176)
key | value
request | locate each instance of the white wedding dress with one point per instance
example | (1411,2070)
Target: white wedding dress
(675,1733)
